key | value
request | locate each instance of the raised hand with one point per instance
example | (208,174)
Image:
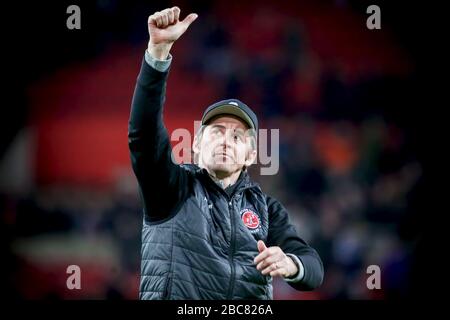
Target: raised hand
(164,28)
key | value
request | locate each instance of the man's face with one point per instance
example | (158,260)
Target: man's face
(225,146)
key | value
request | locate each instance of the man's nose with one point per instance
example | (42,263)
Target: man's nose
(226,144)
(228,141)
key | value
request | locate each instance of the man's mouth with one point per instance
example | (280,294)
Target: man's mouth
(222,154)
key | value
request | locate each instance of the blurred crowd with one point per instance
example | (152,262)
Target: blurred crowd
(349,175)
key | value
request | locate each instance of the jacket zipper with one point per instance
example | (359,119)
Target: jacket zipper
(231,251)
(233,236)
(166,288)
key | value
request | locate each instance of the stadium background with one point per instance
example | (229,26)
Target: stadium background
(351,158)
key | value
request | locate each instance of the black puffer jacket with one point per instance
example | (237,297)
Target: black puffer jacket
(198,240)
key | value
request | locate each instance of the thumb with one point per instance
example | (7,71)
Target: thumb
(261,246)
(189,19)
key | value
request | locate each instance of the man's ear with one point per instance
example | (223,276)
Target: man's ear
(251,157)
(196,144)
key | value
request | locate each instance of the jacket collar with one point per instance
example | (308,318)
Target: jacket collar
(243,182)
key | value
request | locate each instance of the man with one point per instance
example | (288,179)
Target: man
(209,232)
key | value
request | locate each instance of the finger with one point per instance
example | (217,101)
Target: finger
(170,15)
(267,252)
(260,257)
(158,20)
(176,13)
(266,262)
(189,19)
(281,272)
(152,19)
(165,19)
(261,246)
(270,268)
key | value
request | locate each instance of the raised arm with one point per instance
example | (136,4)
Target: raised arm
(163,184)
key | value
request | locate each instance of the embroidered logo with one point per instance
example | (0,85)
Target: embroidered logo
(250,219)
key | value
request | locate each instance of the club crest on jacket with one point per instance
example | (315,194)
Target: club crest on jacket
(250,219)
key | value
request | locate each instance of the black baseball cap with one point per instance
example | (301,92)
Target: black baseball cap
(233,107)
